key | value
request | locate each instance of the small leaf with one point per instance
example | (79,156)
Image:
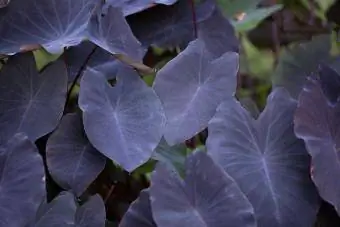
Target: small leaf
(198,201)
(72,161)
(125,122)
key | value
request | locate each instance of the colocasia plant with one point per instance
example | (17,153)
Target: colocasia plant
(87,114)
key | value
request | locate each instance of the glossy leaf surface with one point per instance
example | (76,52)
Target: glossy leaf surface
(267,161)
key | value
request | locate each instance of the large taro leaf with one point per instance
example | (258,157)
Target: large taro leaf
(208,197)
(267,161)
(139,213)
(317,122)
(169,26)
(59,212)
(22,181)
(124,122)
(297,62)
(112,33)
(134,6)
(191,86)
(92,213)
(31,102)
(50,23)
(71,159)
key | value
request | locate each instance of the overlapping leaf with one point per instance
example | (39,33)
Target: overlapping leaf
(112,33)
(296,64)
(267,161)
(198,201)
(169,26)
(30,102)
(92,213)
(22,181)
(139,213)
(63,211)
(191,86)
(100,59)
(317,122)
(125,122)
(72,161)
(50,23)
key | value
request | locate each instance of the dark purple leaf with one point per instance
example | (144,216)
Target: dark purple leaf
(296,63)
(198,201)
(169,26)
(50,23)
(72,161)
(124,122)
(112,33)
(191,86)
(92,213)
(59,212)
(30,102)
(22,181)
(330,83)
(139,214)
(267,161)
(317,122)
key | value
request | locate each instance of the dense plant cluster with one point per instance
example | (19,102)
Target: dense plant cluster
(76,104)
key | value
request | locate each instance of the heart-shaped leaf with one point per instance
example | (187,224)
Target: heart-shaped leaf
(72,161)
(267,161)
(92,213)
(191,86)
(317,122)
(198,201)
(124,122)
(31,102)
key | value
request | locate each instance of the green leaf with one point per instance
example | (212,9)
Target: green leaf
(232,7)
(42,57)
(254,17)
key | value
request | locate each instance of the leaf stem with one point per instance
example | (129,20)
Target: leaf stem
(194,20)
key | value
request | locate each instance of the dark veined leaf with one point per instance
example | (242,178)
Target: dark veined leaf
(169,26)
(296,64)
(92,213)
(30,102)
(50,23)
(198,201)
(329,80)
(59,212)
(172,155)
(112,33)
(63,211)
(191,86)
(139,213)
(100,59)
(134,6)
(22,181)
(218,34)
(124,122)
(72,161)
(317,122)
(267,161)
